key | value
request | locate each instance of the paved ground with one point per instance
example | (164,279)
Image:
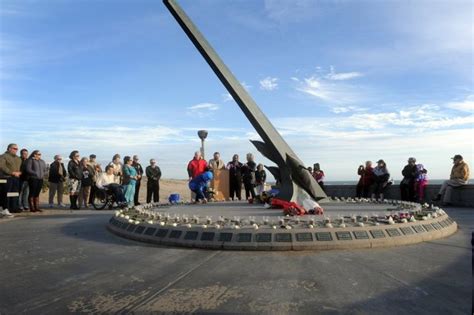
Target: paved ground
(67,262)
(243,209)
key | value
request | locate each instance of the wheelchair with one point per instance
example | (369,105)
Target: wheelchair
(103,198)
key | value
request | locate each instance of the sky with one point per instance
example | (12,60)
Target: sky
(342,81)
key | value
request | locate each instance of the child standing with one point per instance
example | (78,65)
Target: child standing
(421,182)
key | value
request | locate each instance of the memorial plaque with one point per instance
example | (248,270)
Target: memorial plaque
(407,230)
(418,229)
(304,237)
(393,232)
(122,225)
(131,227)
(208,236)
(244,237)
(344,236)
(283,237)
(225,237)
(191,235)
(125,225)
(436,225)
(450,220)
(377,233)
(264,237)
(162,232)
(444,223)
(428,227)
(150,231)
(175,234)
(139,229)
(361,235)
(323,236)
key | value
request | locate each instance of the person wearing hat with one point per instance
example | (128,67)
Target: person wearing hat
(381,179)
(407,185)
(459,177)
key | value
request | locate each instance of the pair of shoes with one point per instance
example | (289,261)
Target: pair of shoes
(6,213)
(62,205)
(51,205)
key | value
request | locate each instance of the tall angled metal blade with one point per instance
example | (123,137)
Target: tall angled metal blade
(270,136)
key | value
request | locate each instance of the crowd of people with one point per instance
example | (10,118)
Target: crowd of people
(248,175)
(23,179)
(374,181)
(24,176)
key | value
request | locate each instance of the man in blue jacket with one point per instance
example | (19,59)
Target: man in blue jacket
(199,185)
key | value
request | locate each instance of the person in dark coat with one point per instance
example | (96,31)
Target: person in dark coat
(75,176)
(248,176)
(381,179)
(139,169)
(35,167)
(87,180)
(24,189)
(153,175)
(56,179)
(407,185)
(366,180)
(235,177)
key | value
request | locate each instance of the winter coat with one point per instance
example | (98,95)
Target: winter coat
(54,176)
(153,173)
(9,163)
(200,181)
(409,172)
(35,168)
(196,167)
(74,170)
(460,171)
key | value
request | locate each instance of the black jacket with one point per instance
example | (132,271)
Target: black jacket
(54,176)
(74,170)
(153,174)
(409,172)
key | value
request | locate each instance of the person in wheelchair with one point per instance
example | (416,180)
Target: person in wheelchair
(107,182)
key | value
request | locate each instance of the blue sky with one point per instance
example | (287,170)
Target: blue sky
(343,81)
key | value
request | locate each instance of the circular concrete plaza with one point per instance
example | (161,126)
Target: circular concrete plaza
(348,224)
(63,262)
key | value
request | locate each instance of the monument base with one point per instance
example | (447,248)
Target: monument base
(348,224)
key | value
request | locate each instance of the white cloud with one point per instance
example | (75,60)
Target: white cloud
(465,106)
(347,109)
(328,91)
(269,84)
(283,11)
(204,106)
(332,75)
(226,97)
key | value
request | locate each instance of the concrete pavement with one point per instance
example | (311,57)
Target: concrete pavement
(69,263)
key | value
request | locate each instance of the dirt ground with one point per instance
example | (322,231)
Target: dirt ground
(167,187)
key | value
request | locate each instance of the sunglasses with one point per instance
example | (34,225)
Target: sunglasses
(15,149)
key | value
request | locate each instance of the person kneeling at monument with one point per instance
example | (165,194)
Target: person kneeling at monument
(109,182)
(199,185)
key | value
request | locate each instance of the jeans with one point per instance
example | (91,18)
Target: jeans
(130,193)
(24,192)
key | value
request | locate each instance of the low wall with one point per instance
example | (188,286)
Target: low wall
(462,196)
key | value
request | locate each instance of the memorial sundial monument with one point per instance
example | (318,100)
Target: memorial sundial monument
(349,224)
(291,171)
